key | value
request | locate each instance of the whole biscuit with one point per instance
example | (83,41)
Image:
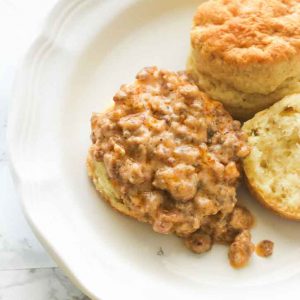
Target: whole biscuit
(251,47)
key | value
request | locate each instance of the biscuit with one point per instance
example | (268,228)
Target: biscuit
(246,53)
(102,183)
(167,154)
(273,167)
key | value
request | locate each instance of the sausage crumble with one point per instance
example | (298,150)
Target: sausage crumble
(264,248)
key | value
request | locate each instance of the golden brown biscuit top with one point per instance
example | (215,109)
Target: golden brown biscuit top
(248,31)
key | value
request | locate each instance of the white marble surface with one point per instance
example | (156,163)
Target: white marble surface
(26,270)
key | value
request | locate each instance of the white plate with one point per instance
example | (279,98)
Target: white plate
(86,51)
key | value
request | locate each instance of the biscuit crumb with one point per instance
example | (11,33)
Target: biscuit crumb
(160,252)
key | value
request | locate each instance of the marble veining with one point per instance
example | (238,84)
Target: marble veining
(37,284)
(26,270)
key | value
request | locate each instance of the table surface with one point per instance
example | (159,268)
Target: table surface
(26,270)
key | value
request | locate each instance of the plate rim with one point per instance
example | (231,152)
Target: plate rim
(46,35)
